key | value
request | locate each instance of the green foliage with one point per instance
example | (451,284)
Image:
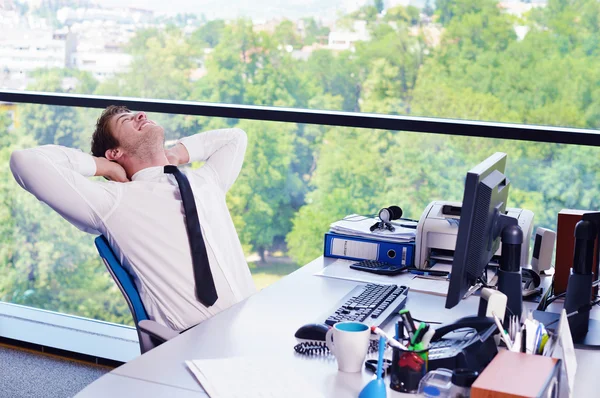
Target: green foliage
(209,34)
(313,31)
(297,179)
(285,33)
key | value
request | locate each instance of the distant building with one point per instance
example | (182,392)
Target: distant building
(101,64)
(519,8)
(345,40)
(22,51)
(125,15)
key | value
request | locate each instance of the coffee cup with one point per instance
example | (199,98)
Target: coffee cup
(349,343)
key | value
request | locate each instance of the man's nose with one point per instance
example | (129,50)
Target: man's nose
(140,116)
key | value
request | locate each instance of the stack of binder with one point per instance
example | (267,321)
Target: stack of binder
(352,239)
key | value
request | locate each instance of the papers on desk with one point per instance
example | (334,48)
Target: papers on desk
(340,269)
(245,377)
(356,225)
(562,348)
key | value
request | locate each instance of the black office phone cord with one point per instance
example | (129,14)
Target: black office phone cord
(320,348)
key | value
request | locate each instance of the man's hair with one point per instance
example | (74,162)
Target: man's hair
(103,138)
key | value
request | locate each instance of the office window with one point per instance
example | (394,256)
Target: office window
(523,62)
(295,181)
(520,61)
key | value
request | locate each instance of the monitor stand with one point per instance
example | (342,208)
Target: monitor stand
(589,340)
(509,274)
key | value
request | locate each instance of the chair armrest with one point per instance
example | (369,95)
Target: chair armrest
(157,330)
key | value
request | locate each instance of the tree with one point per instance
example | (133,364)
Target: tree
(285,33)
(50,124)
(313,31)
(209,34)
(345,181)
(261,197)
(450,9)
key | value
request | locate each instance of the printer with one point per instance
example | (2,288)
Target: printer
(438,228)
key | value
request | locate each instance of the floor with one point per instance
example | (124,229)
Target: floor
(30,374)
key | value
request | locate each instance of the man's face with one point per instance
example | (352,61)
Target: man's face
(137,135)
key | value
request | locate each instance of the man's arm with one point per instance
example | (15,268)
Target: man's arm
(57,176)
(222,150)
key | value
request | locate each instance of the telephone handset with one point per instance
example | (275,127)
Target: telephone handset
(479,323)
(466,343)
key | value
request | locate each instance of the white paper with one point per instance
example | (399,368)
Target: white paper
(565,350)
(355,225)
(340,269)
(245,377)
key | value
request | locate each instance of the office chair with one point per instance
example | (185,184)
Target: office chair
(150,333)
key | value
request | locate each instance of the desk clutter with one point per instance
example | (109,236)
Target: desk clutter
(465,357)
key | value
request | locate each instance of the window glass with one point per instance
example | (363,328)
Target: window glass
(295,181)
(517,61)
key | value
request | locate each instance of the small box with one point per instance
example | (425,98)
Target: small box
(515,374)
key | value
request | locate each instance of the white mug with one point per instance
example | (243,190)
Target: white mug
(349,342)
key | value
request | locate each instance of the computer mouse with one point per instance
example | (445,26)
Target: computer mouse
(312,331)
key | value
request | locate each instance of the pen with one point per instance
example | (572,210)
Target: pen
(391,341)
(431,273)
(502,332)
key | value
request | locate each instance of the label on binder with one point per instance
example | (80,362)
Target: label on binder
(353,248)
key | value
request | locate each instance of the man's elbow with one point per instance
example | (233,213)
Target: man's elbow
(22,162)
(17,160)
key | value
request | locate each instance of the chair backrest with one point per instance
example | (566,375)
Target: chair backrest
(123,280)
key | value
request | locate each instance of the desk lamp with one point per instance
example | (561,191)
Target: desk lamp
(376,387)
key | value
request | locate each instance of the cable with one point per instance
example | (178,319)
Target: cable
(583,308)
(431,322)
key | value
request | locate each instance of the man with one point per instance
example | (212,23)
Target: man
(140,209)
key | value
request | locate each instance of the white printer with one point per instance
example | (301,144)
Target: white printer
(438,227)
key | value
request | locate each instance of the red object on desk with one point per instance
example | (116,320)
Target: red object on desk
(514,374)
(411,360)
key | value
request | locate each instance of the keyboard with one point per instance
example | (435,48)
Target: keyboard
(378,267)
(372,304)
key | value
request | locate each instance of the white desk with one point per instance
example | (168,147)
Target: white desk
(264,325)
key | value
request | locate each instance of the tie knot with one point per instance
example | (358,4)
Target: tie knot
(171,169)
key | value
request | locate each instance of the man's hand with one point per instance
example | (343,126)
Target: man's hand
(177,155)
(110,170)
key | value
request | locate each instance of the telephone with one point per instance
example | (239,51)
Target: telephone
(466,343)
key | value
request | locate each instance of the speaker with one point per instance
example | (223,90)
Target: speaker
(543,248)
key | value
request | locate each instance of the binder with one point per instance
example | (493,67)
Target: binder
(355,248)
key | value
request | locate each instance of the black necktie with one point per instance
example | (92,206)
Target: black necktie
(205,285)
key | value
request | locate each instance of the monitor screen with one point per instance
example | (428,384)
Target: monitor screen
(484,200)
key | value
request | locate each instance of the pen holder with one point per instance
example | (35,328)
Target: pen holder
(408,368)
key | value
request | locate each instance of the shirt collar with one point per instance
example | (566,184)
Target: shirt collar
(149,173)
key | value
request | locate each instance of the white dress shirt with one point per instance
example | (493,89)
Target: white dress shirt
(144,220)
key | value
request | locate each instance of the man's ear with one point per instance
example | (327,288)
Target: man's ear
(113,154)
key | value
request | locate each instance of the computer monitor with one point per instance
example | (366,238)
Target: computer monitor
(482,218)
